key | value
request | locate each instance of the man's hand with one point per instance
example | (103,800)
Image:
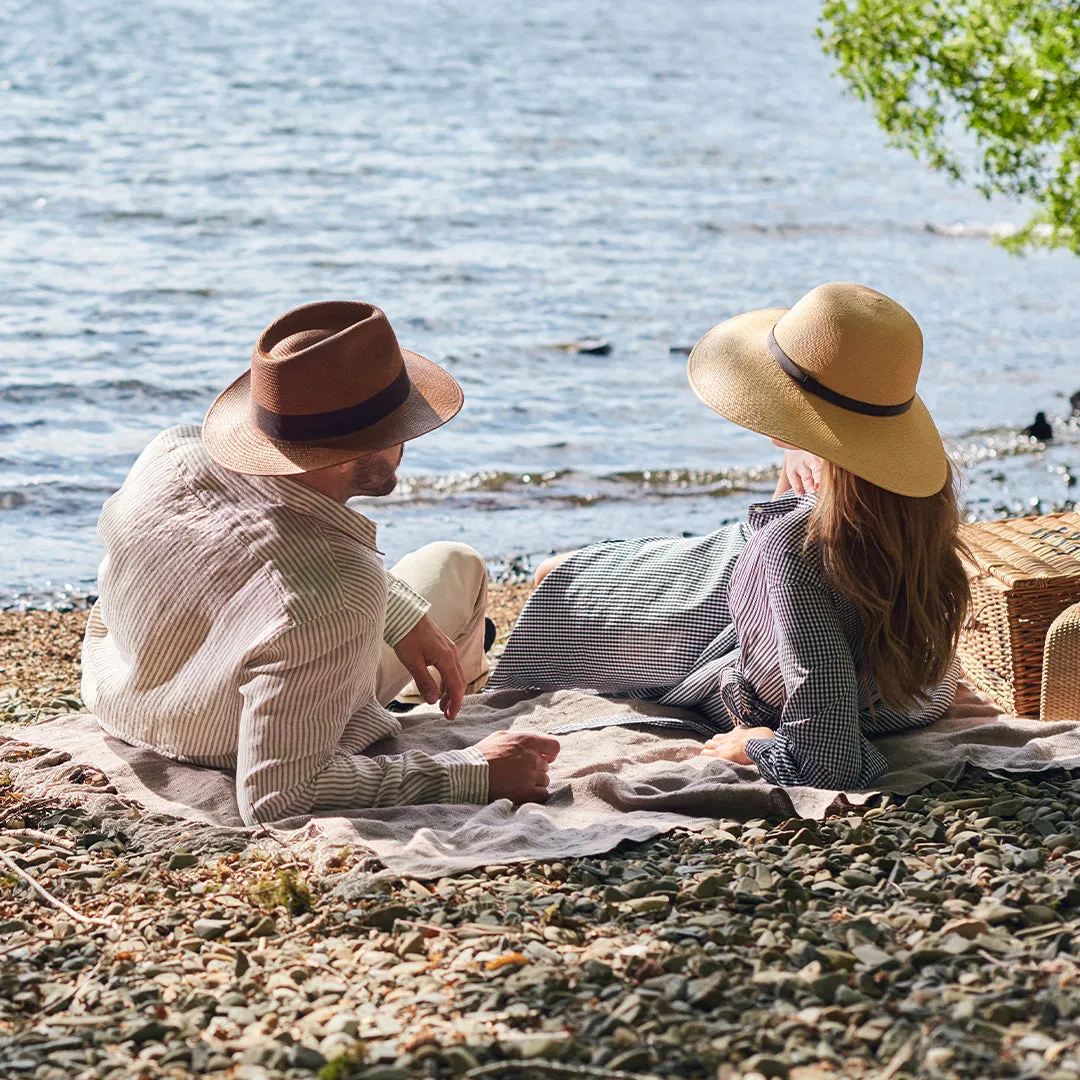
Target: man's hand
(426,646)
(800,472)
(518,764)
(731,746)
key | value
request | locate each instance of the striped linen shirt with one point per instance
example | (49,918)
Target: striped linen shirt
(739,626)
(239,626)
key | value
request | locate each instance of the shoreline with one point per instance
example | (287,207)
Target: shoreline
(1005,474)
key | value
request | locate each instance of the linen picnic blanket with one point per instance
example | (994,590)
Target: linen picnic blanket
(607,786)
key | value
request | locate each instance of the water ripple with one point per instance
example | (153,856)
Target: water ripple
(499,178)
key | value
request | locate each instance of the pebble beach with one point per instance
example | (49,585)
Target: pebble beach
(933,936)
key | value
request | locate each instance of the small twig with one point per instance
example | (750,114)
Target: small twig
(77,991)
(14,948)
(476,929)
(262,830)
(84,981)
(430,928)
(892,878)
(41,838)
(305,929)
(483,930)
(899,1060)
(23,807)
(556,1068)
(1033,933)
(79,1021)
(55,901)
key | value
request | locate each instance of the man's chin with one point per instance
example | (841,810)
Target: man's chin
(377,490)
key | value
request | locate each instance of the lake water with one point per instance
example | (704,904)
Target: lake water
(501,179)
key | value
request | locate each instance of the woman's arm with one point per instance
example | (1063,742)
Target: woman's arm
(550,564)
(819,742)
(731,745)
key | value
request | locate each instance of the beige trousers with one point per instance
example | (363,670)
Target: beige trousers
(453,579)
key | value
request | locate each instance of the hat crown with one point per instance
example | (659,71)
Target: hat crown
(324,357)
(854,341)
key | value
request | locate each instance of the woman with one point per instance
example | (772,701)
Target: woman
(832,613)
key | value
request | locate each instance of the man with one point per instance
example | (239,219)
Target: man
(245,619)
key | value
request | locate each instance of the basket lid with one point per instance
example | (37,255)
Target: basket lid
(1031,552)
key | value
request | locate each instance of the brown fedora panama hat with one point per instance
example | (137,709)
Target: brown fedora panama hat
(328,382)
(835,375)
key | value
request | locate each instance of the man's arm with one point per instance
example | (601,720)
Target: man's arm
(298,695)
(404,609)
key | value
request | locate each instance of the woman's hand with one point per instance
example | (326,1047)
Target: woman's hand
(800,472)
(731,746)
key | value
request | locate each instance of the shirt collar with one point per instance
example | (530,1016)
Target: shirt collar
(306,500)
(760,514)
(186,443)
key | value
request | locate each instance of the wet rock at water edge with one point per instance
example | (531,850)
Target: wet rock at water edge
(1039,428)
(586,347)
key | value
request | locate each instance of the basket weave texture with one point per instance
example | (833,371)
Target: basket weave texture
(1061,668)
(1026,572)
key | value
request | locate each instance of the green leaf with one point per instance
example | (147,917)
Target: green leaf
(1005,74)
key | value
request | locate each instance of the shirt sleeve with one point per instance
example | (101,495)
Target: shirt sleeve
(819,742)
(299,696)
(404,609)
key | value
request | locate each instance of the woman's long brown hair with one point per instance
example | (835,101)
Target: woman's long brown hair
(896,558)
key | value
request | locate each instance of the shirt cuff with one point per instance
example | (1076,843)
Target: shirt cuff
(756,749)
(468,772)
(404,609)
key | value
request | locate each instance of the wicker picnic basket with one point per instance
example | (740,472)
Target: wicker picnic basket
(1026,572)
(1061,668)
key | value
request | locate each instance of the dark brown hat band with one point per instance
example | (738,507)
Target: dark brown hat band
(812,386)
(308,427)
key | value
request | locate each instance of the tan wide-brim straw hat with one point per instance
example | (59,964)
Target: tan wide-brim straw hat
(328,382)
(834,375)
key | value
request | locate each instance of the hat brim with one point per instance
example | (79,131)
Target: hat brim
(233,440)
(733,372)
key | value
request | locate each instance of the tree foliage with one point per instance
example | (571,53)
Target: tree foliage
(1001,74)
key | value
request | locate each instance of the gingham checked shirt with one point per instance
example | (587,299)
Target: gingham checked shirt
(239,626)
(739,626)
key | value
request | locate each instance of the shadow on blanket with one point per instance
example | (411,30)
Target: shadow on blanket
(608,785)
